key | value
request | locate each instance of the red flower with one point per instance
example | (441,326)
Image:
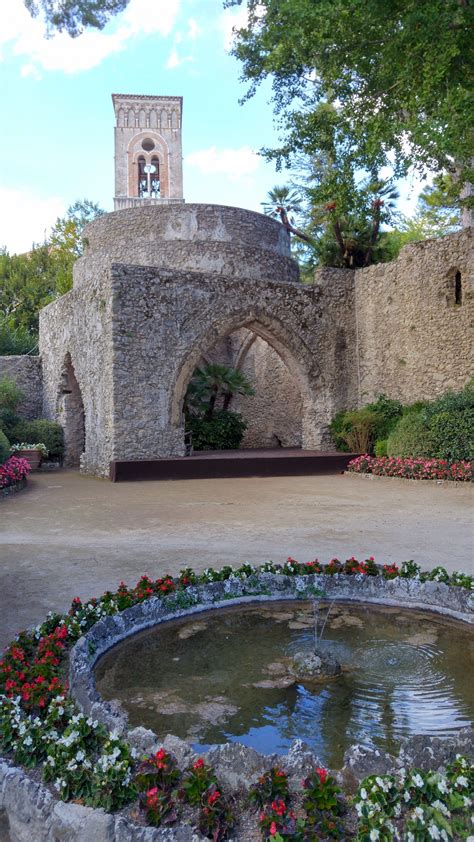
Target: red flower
(322,774)
(199,764)
(273,829)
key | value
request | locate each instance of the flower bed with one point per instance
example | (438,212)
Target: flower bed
(13,473)
(87,763)
(390,466)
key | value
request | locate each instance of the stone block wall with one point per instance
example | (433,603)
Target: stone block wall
(77,327)
(413,340)
(27,373)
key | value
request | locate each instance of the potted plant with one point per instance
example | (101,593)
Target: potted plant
(33,453)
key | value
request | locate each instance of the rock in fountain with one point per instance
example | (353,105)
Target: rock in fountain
(314,665)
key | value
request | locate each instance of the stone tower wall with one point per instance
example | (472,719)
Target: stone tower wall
(159,119)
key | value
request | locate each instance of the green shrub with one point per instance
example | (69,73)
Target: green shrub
(336,428)
(4,448)
(224,431)
(381,447)
(10,397)
(358,429)
(411,437)
(389,412)
(452,434)
(40,430)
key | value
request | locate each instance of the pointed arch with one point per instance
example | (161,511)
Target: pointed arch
(70,414)
(290,348)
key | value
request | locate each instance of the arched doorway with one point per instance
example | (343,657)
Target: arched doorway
(289,411)
(273,414)
(70,414)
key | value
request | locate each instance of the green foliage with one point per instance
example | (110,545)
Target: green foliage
(357,429)
(441,429)
(224,431)
(30,281)
(383,83)
(381,447)
(4,448)
(411,437)
(73,16)
(452,434)
(212,382)
(197,781)
(15,340)
(270,786)
(40,430)
(10,396)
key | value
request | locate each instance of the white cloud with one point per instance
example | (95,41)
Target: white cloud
(26,35)
(229,20)
(175,60)
(26,218)
(236,164)
(194,30)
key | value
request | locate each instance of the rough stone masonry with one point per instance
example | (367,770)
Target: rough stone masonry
(159,288)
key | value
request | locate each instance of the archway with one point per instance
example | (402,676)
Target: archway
(70,414)
(248,340)
(273,414)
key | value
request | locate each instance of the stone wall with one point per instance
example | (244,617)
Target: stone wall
(27,374)
(414,341)
(165,321)
(77,328)
(235,243)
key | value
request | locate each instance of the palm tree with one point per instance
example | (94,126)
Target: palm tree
(282,201)
(212,381)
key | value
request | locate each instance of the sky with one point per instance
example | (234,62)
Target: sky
(56,143)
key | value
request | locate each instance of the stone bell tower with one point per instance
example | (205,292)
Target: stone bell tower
(148,150)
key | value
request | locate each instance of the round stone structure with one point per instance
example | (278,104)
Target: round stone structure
(231,241)
(158,287)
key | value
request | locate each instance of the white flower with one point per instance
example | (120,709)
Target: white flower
(419,813)
(28,741)
(80,756)
(417,780)
(433,832)
(467,801)
(438,805)
(406,795)
(410,836)
(462,781)
(363,794)
(442,786)
(359,808)
(374,835)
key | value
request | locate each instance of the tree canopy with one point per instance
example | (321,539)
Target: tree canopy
(30,281)
(371,82)
(73,16)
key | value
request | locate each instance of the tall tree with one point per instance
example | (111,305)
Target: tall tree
(73,16)
(30,281)
(385,81)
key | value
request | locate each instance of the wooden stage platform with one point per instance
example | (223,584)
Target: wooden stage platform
(214,464)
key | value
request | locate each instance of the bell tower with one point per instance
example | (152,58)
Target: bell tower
(148,150)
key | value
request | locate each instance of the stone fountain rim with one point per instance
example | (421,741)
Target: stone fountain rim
(409,594)
(29,804)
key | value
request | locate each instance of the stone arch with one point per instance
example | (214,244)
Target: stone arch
(131,117)
(291,348)
(121,117)
(142,118)
(135,144)
(153,119)
(70,414)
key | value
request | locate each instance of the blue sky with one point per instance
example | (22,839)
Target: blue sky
(56,143)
